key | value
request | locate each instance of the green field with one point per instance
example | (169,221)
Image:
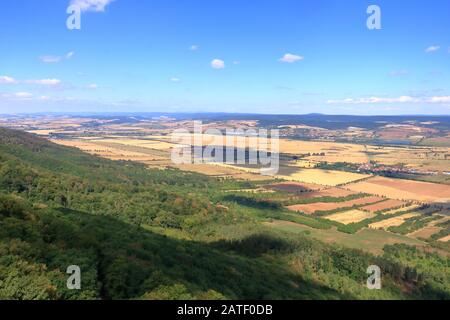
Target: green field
(369,240)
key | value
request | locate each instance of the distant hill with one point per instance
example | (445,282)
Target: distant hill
(334,122)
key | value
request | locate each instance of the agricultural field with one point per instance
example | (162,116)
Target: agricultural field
(418,158)
(219,171)
(403,189)
(368,240)
(112,152)
(425,233)
(145,142)
(294,187)
(351,216)
(401,209)
(325,151)
(330,206)
(318,176)
(385,205)
(155,134)
(308,190)
(324,178)
(312,190)
(430,229)
(392,222)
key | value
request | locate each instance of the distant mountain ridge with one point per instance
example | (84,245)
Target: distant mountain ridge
(313,119)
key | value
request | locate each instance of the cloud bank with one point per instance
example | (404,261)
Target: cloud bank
(91,5)
(402,99)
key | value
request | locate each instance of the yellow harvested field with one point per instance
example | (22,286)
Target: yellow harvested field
(407,208)
(304,164)
(445,239)
(313,152)
(41,132)
(322,177)
(392,222)
(108,152)
(151,144)
(316,150)
(207,169)
(403,189)
(350,216)
(333,152)
(214,170)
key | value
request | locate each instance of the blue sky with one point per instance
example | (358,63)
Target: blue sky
(256,56)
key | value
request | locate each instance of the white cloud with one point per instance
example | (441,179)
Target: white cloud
(291,58)
(371,100)
(444,99)
(91,5)
(175,79)
(93,86)
(7,80)
(236,62)
(431,49)
(50,59)
(218,64)
(194,47)
(22,95)
(45,82)
(56,59)
(401,99)
(398,73)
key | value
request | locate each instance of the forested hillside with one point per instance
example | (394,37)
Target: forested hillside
(140,233)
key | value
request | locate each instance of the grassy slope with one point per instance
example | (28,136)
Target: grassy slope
(367,239)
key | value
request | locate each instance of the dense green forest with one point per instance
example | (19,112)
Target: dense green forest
(140,233)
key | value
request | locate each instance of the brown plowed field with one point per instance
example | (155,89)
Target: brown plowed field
(308,190)
(327,206)
(385,205)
